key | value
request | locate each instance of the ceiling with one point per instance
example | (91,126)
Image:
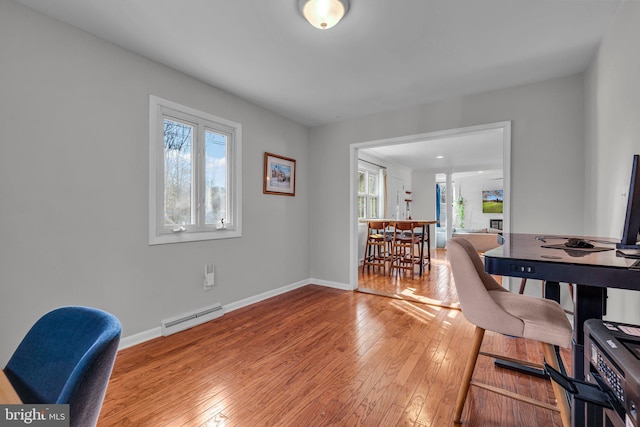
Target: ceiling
(384,55)
(474,151)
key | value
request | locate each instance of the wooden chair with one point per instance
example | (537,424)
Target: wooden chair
(377,249)
(490,307)
(406,247)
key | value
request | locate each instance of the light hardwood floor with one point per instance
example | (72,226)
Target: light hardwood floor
(435,286)
(318,356)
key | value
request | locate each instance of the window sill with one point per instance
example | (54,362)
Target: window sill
(184,237)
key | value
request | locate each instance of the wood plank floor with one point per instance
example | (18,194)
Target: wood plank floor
(435,286)
(318,356)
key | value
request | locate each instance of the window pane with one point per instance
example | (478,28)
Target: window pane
(362,207)
(373,207)
(215,157)
(178,141)
(361,182)
(194,175)
(373,184)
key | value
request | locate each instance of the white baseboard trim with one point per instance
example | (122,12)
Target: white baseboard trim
(263,296)
(140,337)
(153,333)
(329,284)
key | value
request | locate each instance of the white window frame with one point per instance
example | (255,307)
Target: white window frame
(160,108)
(372,171)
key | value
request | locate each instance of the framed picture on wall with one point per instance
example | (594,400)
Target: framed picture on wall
(492,201)
(279,175)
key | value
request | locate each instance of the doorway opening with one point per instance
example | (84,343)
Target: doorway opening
(432,157)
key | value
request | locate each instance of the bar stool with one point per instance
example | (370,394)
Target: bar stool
(405,255)
(377,249)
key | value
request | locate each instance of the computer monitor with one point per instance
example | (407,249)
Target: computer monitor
(632,218)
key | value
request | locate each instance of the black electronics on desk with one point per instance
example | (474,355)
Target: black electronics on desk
(632,216)
(611,392)
(612,360)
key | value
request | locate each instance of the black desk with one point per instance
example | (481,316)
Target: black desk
(523,255)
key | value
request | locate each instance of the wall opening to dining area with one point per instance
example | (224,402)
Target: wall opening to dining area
(416,163)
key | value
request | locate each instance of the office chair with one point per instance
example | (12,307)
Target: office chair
(523,284)
(67,358)
(490,307)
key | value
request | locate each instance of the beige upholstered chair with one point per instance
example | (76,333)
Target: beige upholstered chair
(490,307)
(523,283)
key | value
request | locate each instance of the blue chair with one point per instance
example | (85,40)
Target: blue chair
(67,358)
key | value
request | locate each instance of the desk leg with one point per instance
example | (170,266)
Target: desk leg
(589,304)
(552,291)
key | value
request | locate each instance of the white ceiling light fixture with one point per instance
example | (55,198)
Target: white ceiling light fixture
(323,14)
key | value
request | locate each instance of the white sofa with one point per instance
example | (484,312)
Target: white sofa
(482,239)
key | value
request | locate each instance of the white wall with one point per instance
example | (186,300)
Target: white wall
(423,194)
(547,168)
(424,199)
(613,136)
(74,186)
(472,187)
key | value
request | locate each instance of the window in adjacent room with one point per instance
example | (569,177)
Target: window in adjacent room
(194,174)
(370,191)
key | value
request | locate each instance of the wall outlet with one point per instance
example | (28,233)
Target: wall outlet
(209,276)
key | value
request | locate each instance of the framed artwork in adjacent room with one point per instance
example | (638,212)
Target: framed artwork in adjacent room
(492,201)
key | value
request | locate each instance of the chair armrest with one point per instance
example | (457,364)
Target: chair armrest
(8,395)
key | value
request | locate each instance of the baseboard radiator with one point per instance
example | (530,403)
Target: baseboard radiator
(189,320)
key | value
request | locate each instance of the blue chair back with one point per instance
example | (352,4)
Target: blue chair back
(67,358)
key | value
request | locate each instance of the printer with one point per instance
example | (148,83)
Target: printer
(612,361)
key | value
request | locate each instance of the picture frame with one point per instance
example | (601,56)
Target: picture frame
(492,201)
(279,175)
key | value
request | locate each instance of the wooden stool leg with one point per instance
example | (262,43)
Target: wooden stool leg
(561,396)
(523,283)
(468,373)
(367,250)
(414,256)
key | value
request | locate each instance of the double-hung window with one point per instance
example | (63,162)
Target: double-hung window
(194,174)
(369,192)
